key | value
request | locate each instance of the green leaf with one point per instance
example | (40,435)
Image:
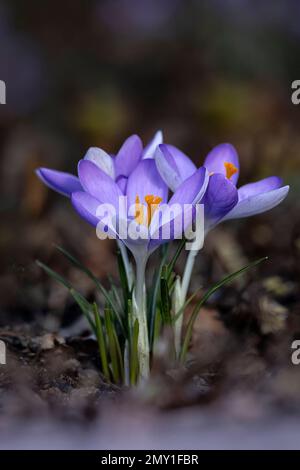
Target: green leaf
(119,355)
(165,298)
(211,291)
(101,342)
(134,360)
(129,317)
(54,275)
(123,277)
(110,330)
(157,327)
(175,258)
(84,305)
(187,302)
(98,284)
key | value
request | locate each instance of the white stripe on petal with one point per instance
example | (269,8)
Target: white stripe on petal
(258,204)
(150,148)
(169,174)
(102,159)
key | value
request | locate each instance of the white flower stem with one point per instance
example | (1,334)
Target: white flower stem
(177,304)
(141,314)
(188,271)
(127,264)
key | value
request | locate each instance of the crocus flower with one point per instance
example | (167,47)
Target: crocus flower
(222,200)
(105,180)
(145,193)
(118,168)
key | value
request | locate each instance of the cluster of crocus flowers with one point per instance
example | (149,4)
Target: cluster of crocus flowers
(222,199)
(136,184)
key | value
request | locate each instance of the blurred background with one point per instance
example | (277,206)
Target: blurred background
(90,73)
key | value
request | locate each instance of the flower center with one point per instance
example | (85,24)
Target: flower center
(152,205)
(231,169)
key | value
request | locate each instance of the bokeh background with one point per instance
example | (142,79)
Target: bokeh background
(90,73)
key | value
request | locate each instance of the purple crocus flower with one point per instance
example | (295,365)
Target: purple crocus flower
(105,180)
(222,200)
(145,193)
(118,168)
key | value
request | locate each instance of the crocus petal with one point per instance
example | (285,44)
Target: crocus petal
(167,167)
(178,213)
(102,159)
(220,198)
(218,156)
(145,180)
(122,183)
(258,203)
(184,164)
(128,156)
(173,165)
(259,187)
(98,184)
(61,182)
(192,190)
(150,148)
(86,206)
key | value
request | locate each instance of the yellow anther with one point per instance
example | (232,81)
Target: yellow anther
(231,169)
(152,204)
(139,211)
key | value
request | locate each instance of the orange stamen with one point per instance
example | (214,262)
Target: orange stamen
(231,169)
(152,205)
(139,211)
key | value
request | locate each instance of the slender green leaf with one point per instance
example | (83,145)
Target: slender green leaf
(129,317)
(134,360)
(98,284)
(157,327)
(54,275)
(101,342)
(165,298)
(112,345)
(211,291)
(119,355)
(175,257)
(123,277)
(187,302)
(84,305)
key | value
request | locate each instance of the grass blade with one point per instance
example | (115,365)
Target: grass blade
(211,291)
(98,284)
(123,277)
(165,298)
(134,361)
(187,302)
(84,305)
(175,258)
(109,326)
(101,342)
(54,275)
